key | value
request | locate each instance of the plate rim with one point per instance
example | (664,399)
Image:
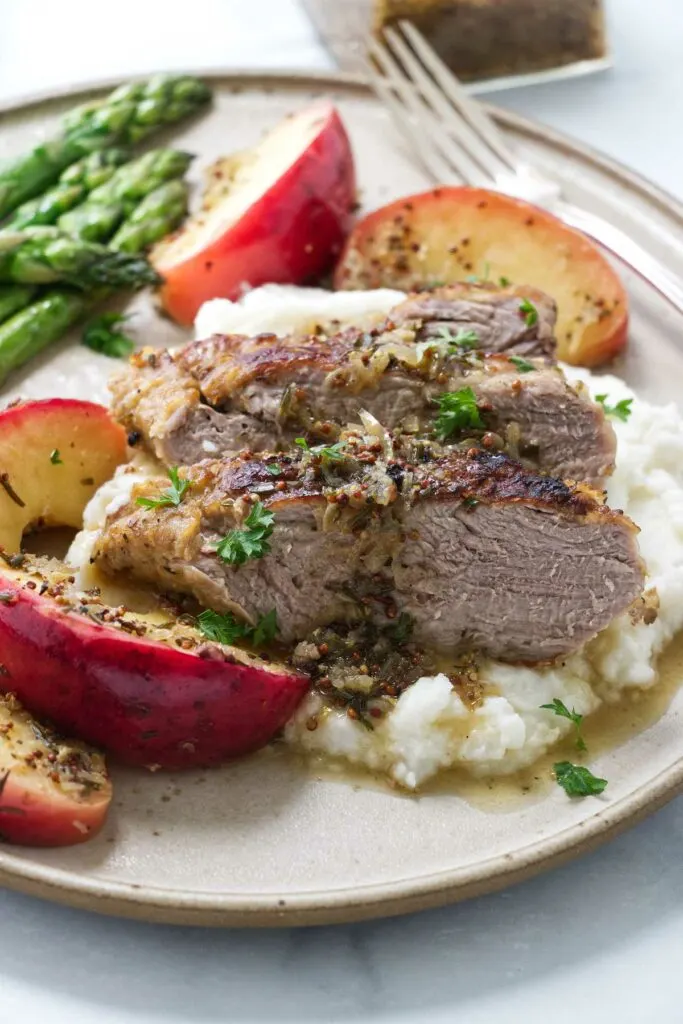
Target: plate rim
(186,907)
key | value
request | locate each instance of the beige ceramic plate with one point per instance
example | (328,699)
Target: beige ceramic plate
(264,842)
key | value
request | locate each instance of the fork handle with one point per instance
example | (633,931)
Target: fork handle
(669,285)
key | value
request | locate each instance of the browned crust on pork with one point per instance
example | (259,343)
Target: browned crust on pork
(472,477)
(225,364)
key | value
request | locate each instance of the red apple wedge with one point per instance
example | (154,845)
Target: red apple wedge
(53,792)
(54,454)
(151,693)
(451,234)
(278,212)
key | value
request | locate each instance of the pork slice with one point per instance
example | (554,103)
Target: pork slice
(479,551)
(494,313)
(260,393)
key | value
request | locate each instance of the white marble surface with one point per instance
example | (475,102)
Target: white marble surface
(597,941)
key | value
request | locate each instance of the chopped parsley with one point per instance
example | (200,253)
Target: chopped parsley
(577,780)
(100,336)
(265,629)
(172,496)
(458,411)
(274,469)
(331,453)
(55,457)
(523,365)
(621,411)
(402,629)
(226,629)
(240,546)
(530,312)
(562,711)
(504,282)
(463,339)
(446,343)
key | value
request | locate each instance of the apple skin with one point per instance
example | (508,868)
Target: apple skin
(36,809)
(145,702)
(90,445)
(291,234)
(450,234)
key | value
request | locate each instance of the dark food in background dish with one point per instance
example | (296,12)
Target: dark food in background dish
(478,39)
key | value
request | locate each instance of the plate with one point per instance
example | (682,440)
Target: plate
(266,841)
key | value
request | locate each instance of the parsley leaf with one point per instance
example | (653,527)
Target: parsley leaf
(621,411)
(402,629)
(239,546)
(265,629)
(530,312)
(172,496)
(273,469)
(225,629)
(55,457)
(446,343)
(99,336)
(504,282)
(457,411)
(562,711)
(577,780)
(523,365)
(463,339)
(332,452)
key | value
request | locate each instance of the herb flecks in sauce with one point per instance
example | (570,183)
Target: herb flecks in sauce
(577,780)
(523,365)
(560,709)
(529,311)
(621,411)
(226,629)
(240,546)
(458,411)
(171,497)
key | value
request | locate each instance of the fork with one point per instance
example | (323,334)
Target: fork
(454,137)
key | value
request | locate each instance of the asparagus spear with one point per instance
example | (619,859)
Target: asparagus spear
(48,208)
(73,186)
(93,222)
(136,180)
(95,169)
(160,212)
(96,219)
(45,255)
(129,114)
(27,333)
(14,297)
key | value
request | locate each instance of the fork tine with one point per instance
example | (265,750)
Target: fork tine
(453,124)
(469,109)
(401,93)
(406,115)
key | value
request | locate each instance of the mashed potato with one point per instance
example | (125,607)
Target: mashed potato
(430,728)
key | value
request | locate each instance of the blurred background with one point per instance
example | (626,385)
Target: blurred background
(630,111)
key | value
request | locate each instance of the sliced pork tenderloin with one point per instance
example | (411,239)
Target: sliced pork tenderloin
(228,393)
(506,319)
(480,552)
